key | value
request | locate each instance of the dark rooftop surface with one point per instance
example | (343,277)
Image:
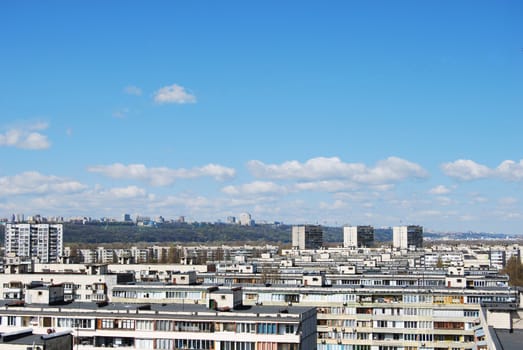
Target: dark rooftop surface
(175,311)
(505,340)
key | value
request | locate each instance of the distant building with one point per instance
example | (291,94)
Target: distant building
(127,218)
(231,219)
(358,236)
(245,219)
(20,217)
(406,237)
(41,241)
(307,237)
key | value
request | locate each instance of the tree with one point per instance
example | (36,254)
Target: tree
(439,263)
(514,269)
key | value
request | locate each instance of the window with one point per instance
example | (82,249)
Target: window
(126,324)
(267,328)
(144,325)
(411,324)
(107,323)
(164,325)
(11,320)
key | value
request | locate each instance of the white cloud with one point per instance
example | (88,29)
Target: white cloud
(254,188)
(445,201)
(389,170)
(132,90)
(127,192)
(174,94)
(326,185)
(478,199)
(33,182)
(161,176)
(121,113)
(26,137)
(510,170)
(337,204)
(439,190)
(465,169)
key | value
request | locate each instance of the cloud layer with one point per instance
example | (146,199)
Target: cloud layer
(33,182)
(162,176)
(390,170)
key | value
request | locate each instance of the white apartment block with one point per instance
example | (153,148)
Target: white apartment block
(245,219)
(220,323)
(407,237)
(358,236)
(307,237)
(42,242)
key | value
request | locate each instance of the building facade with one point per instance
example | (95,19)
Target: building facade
(42,242)
(358,236)
(219,323)
(406,237)
(307,237)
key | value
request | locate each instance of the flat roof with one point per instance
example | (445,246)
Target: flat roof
(189,311)
(506,339)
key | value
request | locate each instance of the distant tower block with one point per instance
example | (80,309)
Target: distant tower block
(245,219)
(407,237)
(307,237)
(358,236)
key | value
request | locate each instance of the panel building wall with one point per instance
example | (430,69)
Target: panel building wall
(358,236)
(405,237)
(307,237)
(44,242)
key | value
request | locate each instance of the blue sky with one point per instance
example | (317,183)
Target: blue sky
(339,112)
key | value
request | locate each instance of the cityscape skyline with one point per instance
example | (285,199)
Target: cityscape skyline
(351,113)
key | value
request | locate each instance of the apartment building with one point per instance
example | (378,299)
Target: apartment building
(366,299)
(407,237)
(307,237)
(358,236)
(42,242)
(220,323)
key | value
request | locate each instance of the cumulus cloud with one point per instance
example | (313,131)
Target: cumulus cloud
(33,182)
(465,169)
(161,176)
(439,190)
(174,94)
(26,137)
(132,90)
(392,169)
(510,170)
(254,188)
